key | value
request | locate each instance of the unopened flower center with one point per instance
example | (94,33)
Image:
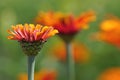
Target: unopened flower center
(31,48)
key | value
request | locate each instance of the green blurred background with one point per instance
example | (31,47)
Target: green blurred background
(13,61)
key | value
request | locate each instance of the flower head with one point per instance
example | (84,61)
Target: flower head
(65,23)
(79,51)
(110,74)
(110,31)
(31,37)
(31,33)
(41,75)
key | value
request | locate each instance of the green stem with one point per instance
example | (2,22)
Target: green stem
(70,63)
(31,65)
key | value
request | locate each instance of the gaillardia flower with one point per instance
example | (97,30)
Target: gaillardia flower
(31,37)
(110,31)
(79,51)
(66,24)
(110,74)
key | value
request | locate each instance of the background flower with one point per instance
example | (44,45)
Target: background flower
(41,75)
(79,51)
(110,74)
(110,31)
(65,23)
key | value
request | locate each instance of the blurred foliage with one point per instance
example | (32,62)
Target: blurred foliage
(13,61)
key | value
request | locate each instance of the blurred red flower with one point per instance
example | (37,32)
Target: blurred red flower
(66,24)
(42,75)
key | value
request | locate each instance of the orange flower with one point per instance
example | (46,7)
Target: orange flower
(23,77)
(65,24)
(80,52)
(46,75)
(31,37)
(42,75)
(110,31)
(110,74)
(31,33)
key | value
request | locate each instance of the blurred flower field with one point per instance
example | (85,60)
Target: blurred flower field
(96,46)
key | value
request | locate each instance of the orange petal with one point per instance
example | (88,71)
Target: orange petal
(11,37)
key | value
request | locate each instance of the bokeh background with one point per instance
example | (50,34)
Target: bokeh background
(102,55)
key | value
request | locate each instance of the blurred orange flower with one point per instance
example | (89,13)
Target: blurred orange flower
(42,75)
(110,74)
(80,52)
(31,33)
(110,31)
(65,23)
